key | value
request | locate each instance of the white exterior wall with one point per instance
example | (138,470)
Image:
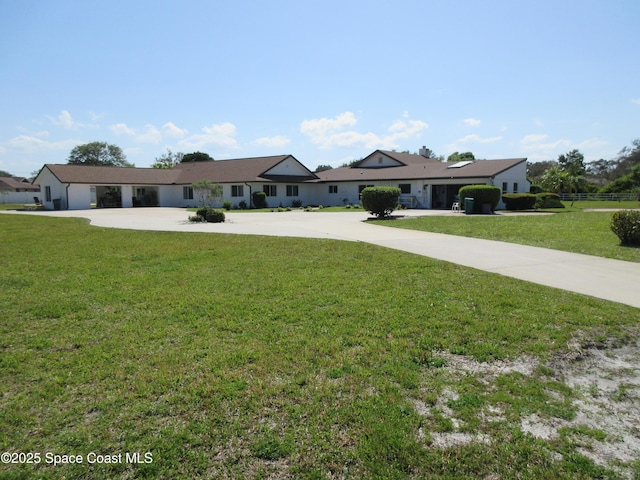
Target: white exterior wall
(11,196)
(79,197)
(58,190)
(517,174)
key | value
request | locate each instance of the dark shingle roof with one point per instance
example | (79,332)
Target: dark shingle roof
(113,175)
(425,169)
(236,170)
(17,183)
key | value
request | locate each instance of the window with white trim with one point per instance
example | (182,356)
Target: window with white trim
(237,190)
(187,193)
(270,190)
(292,190)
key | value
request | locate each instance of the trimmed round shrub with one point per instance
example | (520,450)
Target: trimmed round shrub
(259,199)
(549,200)
(626,225)
(380,201)
(519,201)
(482,195)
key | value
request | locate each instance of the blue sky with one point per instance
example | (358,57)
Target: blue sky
(326,81)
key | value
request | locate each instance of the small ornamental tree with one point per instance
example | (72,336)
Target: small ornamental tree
(207,192)
(380,201)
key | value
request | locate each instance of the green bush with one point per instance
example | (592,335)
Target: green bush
(548,200)
(215,216)
(242,205)
(227,205)
(535,189)
(380,201)
(197,218)
(626,225)
(259,199)
(210,215)
(297,203)
(519,201)
(482,195)
(202,212)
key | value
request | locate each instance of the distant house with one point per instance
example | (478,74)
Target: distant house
(17,190)
(424,182)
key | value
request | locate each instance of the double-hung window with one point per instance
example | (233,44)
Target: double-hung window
(237,190)
(270,190)
(292,190)
(187,193)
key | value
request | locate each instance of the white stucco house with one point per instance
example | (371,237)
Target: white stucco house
(424,182)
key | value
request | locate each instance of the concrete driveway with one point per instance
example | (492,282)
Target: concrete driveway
(608,279)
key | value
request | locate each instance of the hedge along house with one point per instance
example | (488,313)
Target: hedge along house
(424,182)
(283,178)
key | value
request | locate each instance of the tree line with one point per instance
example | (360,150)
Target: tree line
(571,174)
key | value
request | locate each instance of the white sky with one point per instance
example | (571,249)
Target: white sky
(326,81)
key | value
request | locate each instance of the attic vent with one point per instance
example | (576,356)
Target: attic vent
(460,164)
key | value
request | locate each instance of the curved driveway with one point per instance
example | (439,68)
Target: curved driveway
(608,279)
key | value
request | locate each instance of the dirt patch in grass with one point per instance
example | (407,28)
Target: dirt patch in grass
(604,396)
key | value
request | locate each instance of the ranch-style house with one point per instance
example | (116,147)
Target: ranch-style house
(424,182)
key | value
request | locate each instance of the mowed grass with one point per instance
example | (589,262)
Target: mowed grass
(570,230)
(230,356)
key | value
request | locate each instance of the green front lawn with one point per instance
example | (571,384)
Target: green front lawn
(267,357)
(571,230)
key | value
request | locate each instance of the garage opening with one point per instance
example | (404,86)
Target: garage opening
(145,196)
(108,196)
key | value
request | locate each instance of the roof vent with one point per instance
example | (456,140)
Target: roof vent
(461,164)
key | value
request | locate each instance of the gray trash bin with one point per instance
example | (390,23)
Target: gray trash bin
(468,205)
(56,204)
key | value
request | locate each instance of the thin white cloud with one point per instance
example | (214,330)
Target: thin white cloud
(473,122)
(538,123)
(122,129)
(636,101)
(332,132)
(169,129)
(272,142)
(66,121)
(216,135)
(478,139)
(149,133)
(529,139)
(30,144)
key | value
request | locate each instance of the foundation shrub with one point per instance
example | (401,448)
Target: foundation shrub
(626,225)
(380,201)
(519,201)
(481,194)
(259,200)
